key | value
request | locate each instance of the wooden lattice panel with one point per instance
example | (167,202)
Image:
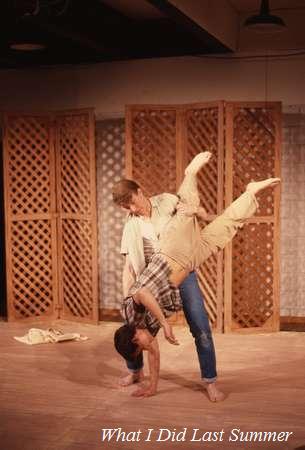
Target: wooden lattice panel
(31,268)
(160,142)
(203,131)
(254,152)
(73,141)
(28,153)
(110,137)
(77,268)
(153,158)
(151,148)
(76,185)
(30,225)
(252,276)
(253,134)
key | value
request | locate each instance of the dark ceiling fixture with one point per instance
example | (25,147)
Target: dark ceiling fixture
(32,8)
(265,22)
(29,11)
(27,46)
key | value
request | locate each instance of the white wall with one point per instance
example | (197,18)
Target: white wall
(293,216)
(109,86)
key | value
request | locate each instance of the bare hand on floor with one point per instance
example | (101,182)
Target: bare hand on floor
(144,391)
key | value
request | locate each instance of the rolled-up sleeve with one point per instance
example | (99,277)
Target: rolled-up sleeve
(125,241)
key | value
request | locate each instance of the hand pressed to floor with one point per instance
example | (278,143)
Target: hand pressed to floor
(145,391)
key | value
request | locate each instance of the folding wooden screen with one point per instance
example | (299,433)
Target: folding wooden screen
(49,177)
(30,208)
(203,130)
(253,137)
(76,206)
(160,140)
(153,149)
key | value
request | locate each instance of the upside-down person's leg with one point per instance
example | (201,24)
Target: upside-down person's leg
(188,191)
(221,231)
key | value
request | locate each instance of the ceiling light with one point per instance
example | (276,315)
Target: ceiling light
(264,21)
(27,46)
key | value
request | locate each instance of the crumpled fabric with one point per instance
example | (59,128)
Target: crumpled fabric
(51,335)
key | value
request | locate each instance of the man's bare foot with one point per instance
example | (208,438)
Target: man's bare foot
(256,186)
(197,162)
(131,378)
(215,395)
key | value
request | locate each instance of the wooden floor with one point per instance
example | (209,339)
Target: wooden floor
(60,396)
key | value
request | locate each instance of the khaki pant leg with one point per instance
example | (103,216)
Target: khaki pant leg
(188,190)
(217,234)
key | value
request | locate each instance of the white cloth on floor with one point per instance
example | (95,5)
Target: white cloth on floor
(38,336)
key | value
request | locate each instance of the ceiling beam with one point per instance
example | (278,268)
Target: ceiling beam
(205,19)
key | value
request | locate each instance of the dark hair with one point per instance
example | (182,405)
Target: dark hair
(123,342)
(122,191)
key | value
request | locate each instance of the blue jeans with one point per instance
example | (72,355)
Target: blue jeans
(197,319)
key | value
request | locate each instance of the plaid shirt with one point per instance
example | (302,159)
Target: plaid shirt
(155,277)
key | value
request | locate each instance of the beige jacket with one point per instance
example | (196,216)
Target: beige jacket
(137,228)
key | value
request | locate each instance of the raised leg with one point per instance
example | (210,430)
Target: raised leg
(188,191)
(221,231)
(256,186)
